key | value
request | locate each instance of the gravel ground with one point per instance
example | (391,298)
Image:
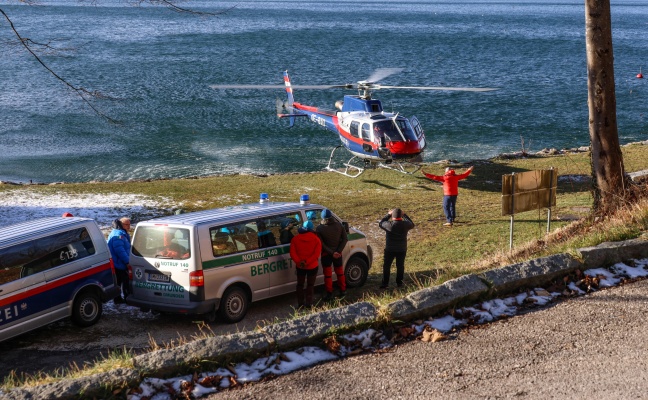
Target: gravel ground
(591,347)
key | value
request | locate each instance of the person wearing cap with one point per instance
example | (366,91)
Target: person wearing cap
(450,182)
(334,239)
(396,224)
(285,233)
(120,246)
(265,237)
(305,250)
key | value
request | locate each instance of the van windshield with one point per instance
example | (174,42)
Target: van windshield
(161,242)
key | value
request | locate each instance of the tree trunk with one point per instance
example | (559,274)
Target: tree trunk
(610,184)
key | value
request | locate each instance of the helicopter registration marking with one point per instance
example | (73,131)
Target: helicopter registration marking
(318,120)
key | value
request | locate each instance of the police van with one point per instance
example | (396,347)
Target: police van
(51,269)
(209,262)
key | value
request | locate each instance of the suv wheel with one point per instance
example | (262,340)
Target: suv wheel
(356,272)
(87,309)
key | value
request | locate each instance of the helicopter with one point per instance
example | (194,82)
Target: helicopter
(374,137)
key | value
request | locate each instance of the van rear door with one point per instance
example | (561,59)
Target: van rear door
(161,262)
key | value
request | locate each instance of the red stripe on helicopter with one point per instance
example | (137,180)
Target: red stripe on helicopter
(410,148)
(300,106)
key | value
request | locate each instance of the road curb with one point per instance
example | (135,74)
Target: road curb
(287,334)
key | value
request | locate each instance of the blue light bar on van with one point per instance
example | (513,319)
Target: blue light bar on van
(304,199)
(264,198)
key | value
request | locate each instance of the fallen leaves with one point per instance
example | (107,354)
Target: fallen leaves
(332,344)
(431,335)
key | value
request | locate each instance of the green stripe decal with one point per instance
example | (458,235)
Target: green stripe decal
(246,257)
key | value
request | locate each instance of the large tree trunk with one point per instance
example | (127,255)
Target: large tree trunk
(610,185)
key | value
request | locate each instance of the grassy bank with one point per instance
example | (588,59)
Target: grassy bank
(478,240)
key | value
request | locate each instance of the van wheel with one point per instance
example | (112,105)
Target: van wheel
(234,304)
(356,272)
(87,309)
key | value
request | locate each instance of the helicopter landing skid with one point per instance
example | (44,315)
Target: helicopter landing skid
(404,167)
(350,170)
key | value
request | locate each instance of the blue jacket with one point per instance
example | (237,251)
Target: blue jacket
(120,247)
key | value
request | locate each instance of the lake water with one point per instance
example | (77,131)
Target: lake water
(156,66)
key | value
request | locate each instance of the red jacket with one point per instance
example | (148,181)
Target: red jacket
(306,247)
(450,181)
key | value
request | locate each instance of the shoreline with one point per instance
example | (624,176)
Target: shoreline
(546,152)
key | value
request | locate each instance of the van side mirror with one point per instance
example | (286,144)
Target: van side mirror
(346,226)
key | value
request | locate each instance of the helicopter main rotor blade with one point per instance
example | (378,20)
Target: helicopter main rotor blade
(316,87)
(461,89)
(382,73)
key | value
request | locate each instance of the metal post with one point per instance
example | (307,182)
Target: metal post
(511,235)
(550,189)
(512,209)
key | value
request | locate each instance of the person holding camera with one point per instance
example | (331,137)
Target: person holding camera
(396,224)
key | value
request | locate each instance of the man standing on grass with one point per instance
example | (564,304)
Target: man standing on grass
(450,182)
(396,224)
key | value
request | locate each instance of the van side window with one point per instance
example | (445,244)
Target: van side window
(267,233)
(45,253)
(314,217)
(223,241)
(288,225)
(162,242)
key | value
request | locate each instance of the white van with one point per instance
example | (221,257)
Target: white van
(50,269)
(210,261)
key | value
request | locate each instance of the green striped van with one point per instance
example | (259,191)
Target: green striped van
(210,262)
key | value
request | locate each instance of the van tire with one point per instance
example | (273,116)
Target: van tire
(87,309)
(356,272)
(234,304)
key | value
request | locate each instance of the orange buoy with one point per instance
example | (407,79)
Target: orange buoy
(639,75)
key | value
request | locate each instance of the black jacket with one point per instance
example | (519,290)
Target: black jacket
(333,236)
(396,238)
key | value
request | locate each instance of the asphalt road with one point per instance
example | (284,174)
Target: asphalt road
(590,347)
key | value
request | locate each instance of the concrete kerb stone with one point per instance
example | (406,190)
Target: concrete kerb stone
(84,387)
(313,326)
(209,349)
(432,300)
(532,273)
(610,253)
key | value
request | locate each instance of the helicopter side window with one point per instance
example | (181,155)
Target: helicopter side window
(366,136)
(354,128)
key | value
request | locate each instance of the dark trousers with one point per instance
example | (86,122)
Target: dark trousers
(449,203)
(400,266)
(308,276)
(122,281)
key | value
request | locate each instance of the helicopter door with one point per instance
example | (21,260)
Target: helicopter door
(366,138)
(418,129)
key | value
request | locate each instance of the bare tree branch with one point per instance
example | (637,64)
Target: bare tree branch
(173,6)
(32,46)
(83,93)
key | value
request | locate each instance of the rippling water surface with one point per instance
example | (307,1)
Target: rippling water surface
(156,66)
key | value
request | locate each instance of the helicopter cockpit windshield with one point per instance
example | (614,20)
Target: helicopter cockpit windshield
(395,130)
